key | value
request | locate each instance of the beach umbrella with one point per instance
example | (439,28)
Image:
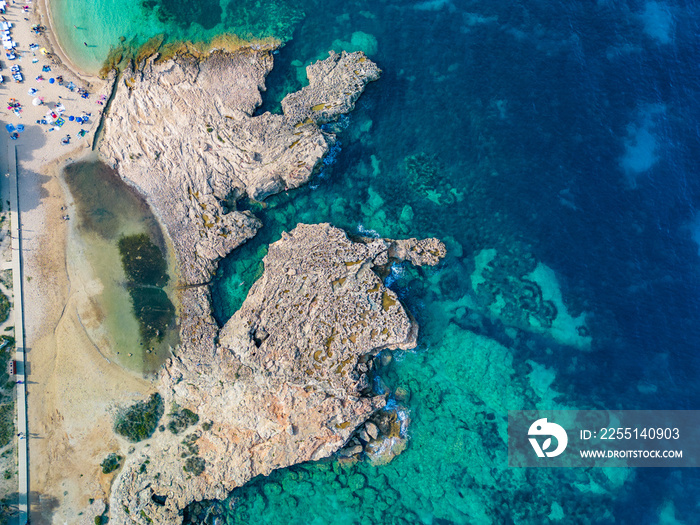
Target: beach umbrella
(71,118)
(52,80)
(37,102)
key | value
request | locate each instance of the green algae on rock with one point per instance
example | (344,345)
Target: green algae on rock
(143,261)
(146,271)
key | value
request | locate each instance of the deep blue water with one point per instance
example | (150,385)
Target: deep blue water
(564,133)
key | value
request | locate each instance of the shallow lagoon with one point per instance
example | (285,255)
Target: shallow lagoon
(137,317)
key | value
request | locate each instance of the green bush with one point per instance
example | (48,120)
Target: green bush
(6,382)
(181,419)
(139,421)
(4,307)
(110,463)
(194,465)
(7,423)
(190,442)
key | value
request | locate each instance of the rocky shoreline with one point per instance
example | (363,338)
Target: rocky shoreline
(285,380)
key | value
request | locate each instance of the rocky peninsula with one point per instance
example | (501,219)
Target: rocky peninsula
(183,133)
(286,379)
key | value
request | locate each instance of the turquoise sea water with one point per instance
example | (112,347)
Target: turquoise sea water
(102,24)
(553,146)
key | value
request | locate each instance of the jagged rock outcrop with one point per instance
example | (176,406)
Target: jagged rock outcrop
(285,381)
(183,133)
(288,380)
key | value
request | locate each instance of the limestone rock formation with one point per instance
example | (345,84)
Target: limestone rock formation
(335,84)
(182,131)
(287,382)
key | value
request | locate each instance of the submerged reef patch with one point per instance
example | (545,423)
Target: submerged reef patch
(206,13)
(522,292)
(143,261)
(146,271)
(427,177)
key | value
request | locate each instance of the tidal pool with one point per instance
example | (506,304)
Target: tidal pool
(123,244)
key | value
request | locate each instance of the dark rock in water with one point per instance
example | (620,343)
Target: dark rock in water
(402,394)
(272,489)
(372,430)
(385,358)
(146,269)
(357,481)
(351,451)
(362,434)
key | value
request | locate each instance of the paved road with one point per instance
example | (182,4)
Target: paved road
(19,335)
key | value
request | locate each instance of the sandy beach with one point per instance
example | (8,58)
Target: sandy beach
(72,389)
(42,15)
